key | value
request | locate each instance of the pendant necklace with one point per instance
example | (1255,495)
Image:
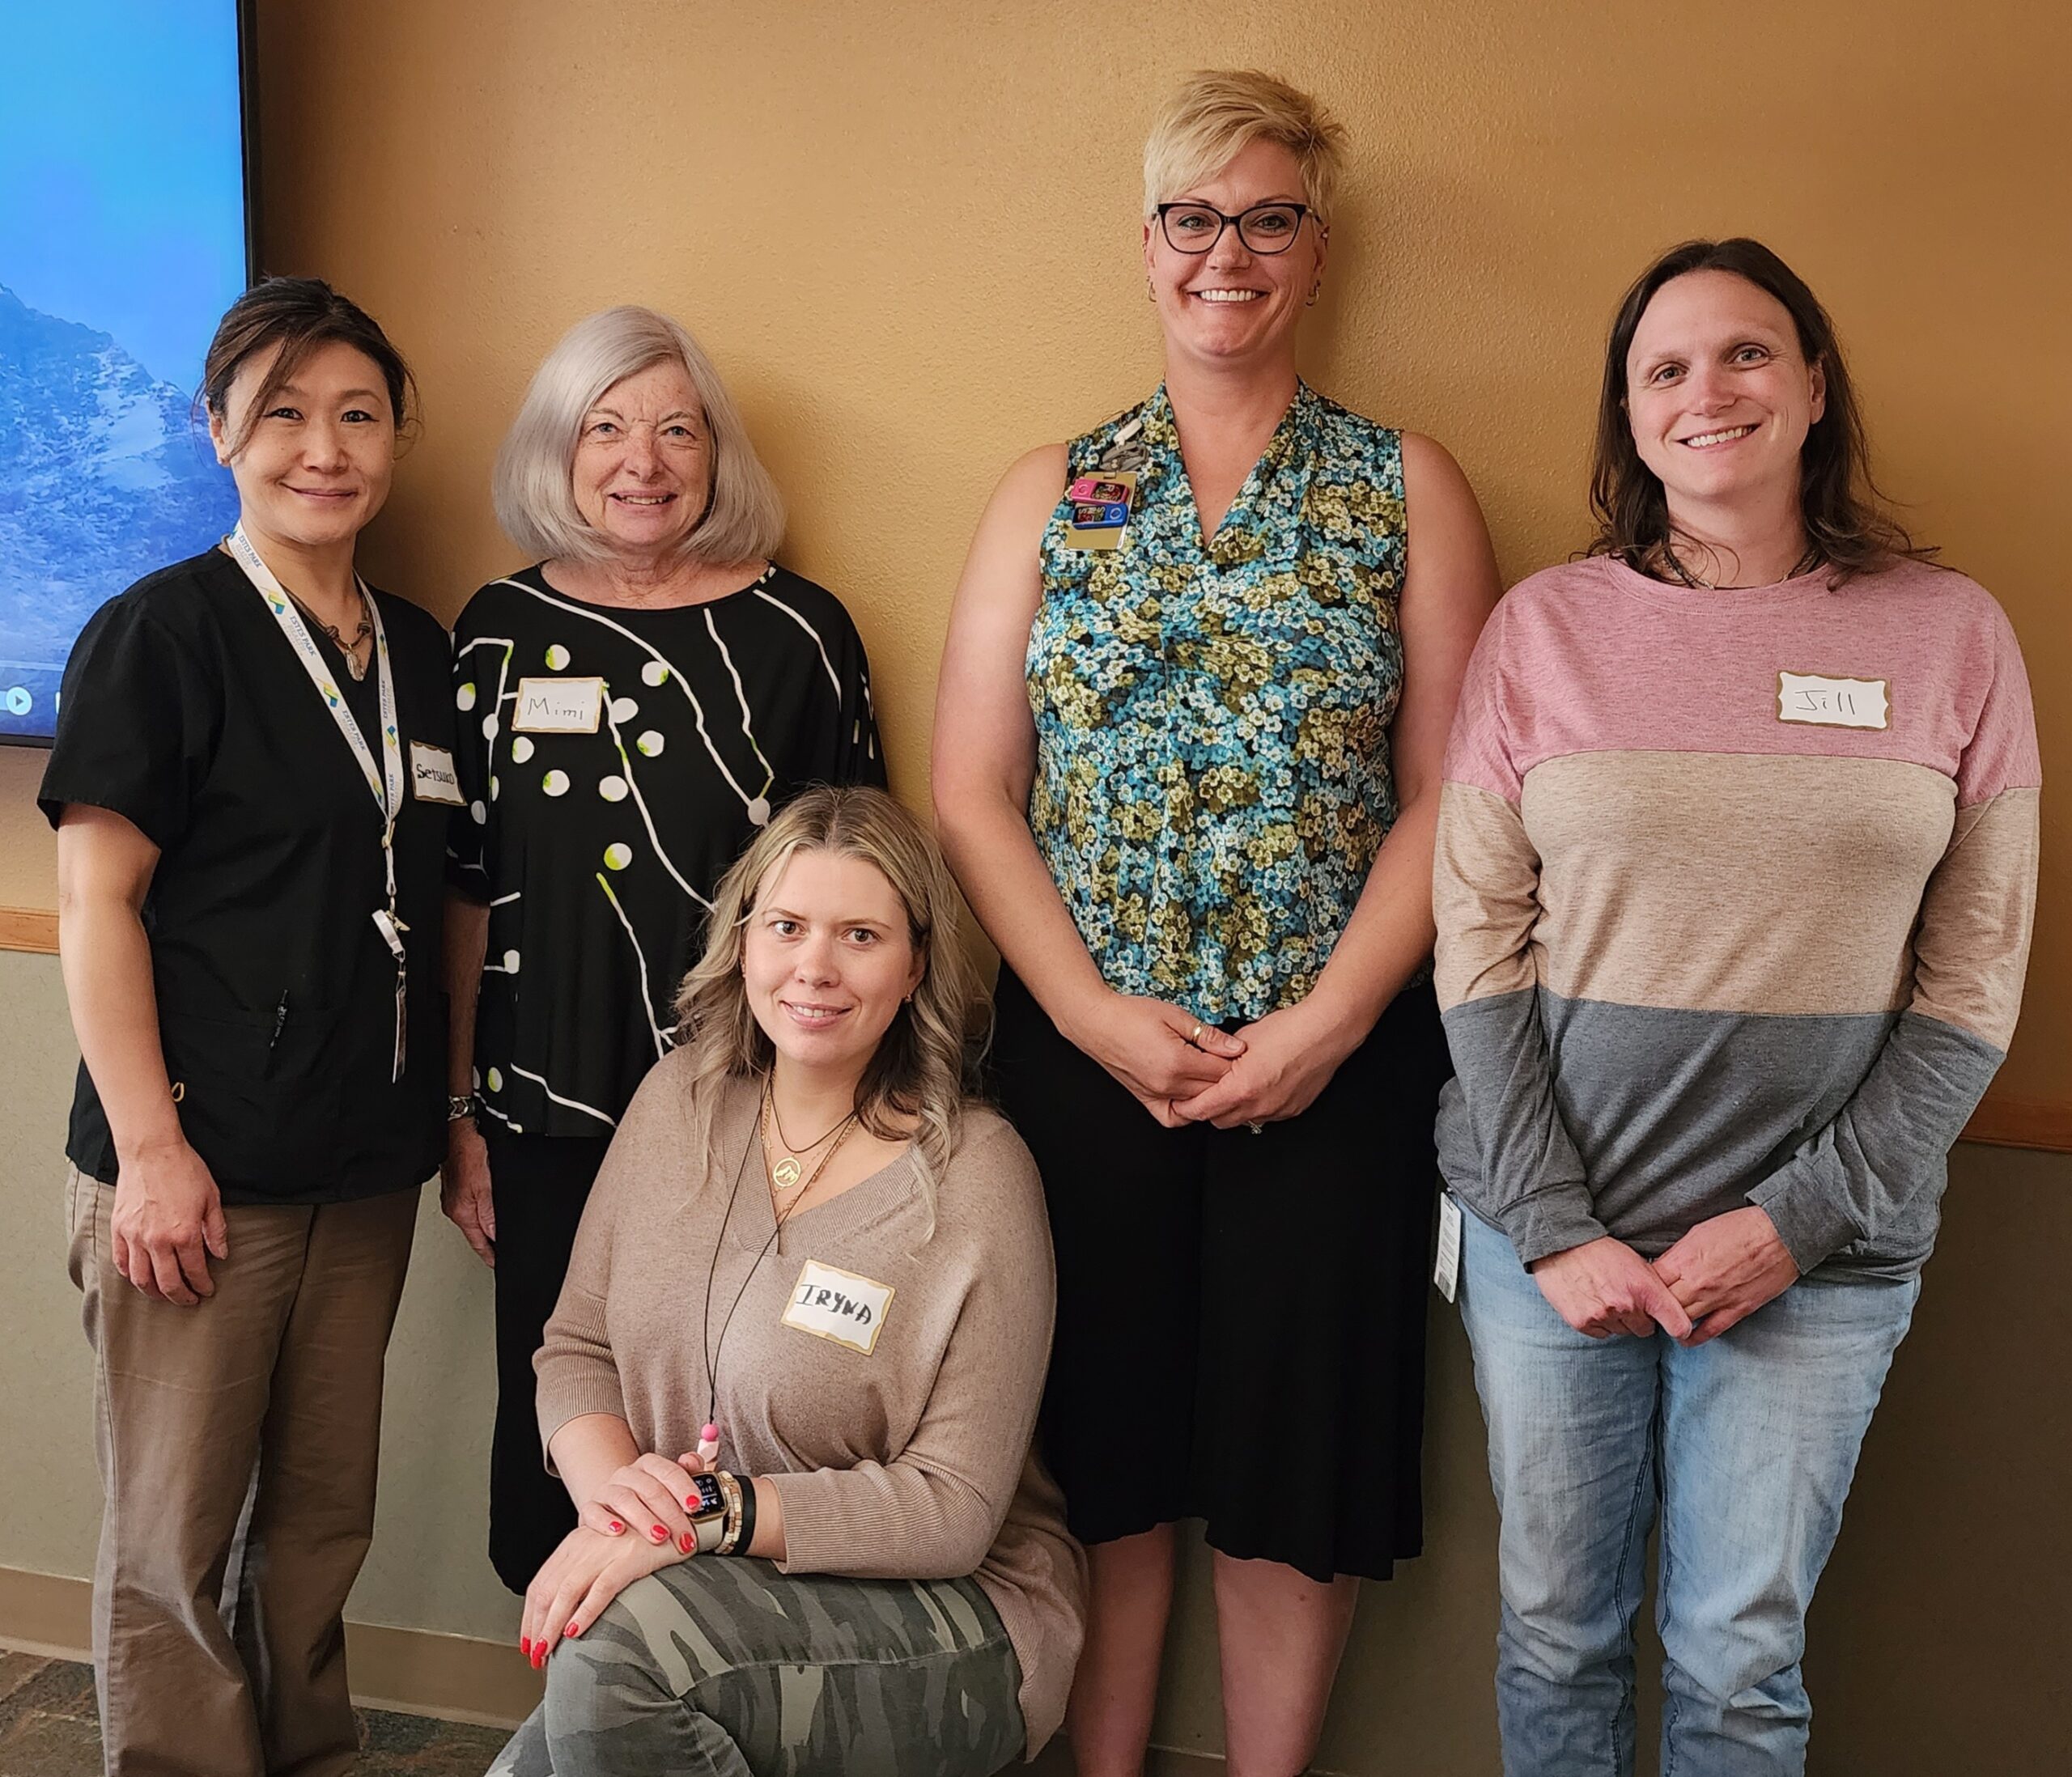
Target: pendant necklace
(350,649)
(787,1168)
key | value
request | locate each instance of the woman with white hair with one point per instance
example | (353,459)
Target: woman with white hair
(1197,687)
(632,708)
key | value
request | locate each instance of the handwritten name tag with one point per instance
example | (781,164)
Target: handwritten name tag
(558,706)
(432,776)
(838,1305)
(1815,699)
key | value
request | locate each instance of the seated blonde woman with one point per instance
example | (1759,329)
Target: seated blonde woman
(791,1379)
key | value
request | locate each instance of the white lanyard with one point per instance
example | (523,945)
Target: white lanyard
(384,782)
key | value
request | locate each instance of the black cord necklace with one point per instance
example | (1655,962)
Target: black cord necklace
(714,1352)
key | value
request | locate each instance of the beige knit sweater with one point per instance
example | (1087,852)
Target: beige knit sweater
(886,1380)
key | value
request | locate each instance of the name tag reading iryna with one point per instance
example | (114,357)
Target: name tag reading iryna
(838,1305)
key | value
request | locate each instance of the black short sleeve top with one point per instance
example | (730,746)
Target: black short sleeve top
(598,850)
(187,711)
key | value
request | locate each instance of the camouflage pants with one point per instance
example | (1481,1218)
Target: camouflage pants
(730,1669)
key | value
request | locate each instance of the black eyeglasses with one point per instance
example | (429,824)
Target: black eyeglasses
(1264,228)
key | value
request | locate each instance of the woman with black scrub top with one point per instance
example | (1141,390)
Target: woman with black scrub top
(251,784)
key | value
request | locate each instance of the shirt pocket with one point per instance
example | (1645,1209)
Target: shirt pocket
(260,1094)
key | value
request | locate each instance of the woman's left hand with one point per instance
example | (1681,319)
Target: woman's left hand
(1725,1268)
(1289,1057)
(579,1579)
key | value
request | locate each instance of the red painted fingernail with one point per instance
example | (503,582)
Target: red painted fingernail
(525,1646)
(616,1527)
(685,1541)
(659,1534)
(539,1655)
(692,1503)
(573,1629)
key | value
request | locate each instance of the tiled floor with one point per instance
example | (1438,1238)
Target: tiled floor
(48,1730)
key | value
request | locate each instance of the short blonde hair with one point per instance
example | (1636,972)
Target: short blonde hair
(533,487)
(1218,111)
(926,1065)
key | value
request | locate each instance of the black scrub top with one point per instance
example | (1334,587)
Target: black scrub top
(186,710)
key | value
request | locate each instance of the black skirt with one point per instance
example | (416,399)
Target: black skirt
(1241,1318)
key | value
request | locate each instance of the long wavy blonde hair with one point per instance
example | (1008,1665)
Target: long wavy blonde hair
(926,1064)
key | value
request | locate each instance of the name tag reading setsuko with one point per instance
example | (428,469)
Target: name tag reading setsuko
(838,1305)
(558,706)
(432,776)
(1824,702)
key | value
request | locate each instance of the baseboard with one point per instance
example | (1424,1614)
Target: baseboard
(455,1677)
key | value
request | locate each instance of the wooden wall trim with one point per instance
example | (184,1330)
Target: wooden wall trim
(32,929)
(2021,1122)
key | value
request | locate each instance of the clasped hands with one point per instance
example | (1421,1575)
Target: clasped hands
(1719,1274)
(636,1524)
(1183,1071)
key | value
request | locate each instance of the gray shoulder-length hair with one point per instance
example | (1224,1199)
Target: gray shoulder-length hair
(533,487)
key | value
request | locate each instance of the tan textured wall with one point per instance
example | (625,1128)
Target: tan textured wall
(906,231)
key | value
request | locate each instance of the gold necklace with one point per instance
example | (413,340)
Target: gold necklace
(812,1178)
(787,1169)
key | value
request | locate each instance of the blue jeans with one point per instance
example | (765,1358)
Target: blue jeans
(1748,1443)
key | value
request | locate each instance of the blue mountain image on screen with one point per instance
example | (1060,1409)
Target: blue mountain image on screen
(105,476)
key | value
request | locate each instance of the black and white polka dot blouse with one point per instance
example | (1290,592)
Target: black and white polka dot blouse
(616,762)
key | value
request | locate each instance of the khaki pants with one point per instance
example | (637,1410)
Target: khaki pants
(266,1395)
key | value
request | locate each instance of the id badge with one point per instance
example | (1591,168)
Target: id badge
(1101,504)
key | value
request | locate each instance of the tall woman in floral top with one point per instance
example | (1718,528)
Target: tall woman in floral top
(1196,690)
(631,709)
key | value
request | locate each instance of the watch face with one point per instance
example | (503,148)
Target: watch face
(710,1499)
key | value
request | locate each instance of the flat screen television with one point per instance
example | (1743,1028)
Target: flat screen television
(124,233)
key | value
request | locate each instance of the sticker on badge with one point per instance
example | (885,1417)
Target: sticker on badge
(558,706)
(1823,702)
(1100,509)
(432,776)
(838,1305)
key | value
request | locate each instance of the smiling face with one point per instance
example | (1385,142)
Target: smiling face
(1230,304)
(1719,394)
(827,957)
(642,471)
(316,458)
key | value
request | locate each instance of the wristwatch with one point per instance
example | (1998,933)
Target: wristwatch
(458,1108)
(708,1517)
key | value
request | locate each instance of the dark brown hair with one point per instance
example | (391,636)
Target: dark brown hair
(1846,516)
(298,315)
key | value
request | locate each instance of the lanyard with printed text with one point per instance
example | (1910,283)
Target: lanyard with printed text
(384,781)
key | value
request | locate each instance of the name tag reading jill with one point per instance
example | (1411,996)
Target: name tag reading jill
(558,706)
(1822,703)
(432,776)
(838,1305)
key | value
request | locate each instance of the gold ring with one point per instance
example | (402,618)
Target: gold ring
(1195,1038)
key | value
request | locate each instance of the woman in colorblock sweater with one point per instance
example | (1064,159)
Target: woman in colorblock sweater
(1734,876)
(793,1374)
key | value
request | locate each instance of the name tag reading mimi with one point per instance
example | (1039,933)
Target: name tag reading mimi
(1823,702)
(838,1305)
(558,706)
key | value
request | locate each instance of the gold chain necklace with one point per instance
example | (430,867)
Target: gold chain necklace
(787,1169)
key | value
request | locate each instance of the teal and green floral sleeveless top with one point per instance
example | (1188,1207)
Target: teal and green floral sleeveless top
(1213,774)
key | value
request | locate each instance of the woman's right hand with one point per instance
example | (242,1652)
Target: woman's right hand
(167,1218)
(465,1192)
(1159,1052)
(649,1498)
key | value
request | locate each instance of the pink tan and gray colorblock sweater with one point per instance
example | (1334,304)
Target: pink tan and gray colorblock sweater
(893,1410)
(1734,893)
